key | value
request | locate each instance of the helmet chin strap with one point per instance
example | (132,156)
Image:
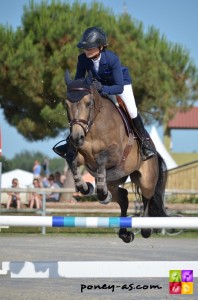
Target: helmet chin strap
(97,55)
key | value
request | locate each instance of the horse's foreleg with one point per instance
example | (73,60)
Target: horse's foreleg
(103,195)
(85,188)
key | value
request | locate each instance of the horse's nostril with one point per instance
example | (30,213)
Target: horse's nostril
(79,141)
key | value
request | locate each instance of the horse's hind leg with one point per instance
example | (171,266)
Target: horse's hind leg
(151,209)
(146,232)
(152,187)
(120,195)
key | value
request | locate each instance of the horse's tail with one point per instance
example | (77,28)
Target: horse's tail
(158,208)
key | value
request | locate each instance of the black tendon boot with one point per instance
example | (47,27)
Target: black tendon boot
(146,148)
(66,151)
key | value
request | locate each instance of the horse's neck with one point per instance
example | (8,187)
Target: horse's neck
(106,115)
(98,101)
(105,107)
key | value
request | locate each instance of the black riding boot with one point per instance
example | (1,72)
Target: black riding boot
(146,148)
(66,151)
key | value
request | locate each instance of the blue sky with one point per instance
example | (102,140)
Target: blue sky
(177,19)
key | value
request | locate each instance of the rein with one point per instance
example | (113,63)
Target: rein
(82,122)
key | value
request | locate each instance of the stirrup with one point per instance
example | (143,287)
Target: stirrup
(147,151)
(61,150)
(66,151)
(148,155)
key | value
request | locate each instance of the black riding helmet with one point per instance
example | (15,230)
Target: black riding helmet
(92,37)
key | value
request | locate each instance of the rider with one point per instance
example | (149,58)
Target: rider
(109,78)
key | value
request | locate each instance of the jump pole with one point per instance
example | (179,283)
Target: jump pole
(100,222)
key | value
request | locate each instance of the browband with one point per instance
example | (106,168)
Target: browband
(79,89)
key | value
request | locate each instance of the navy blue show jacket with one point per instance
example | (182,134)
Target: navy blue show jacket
(111,73)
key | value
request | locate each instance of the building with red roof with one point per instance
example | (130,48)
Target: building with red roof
(182,120)
(185,120)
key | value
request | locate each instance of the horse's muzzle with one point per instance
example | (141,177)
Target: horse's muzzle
(78,142)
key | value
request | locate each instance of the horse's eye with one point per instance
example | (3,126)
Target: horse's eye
(89,103)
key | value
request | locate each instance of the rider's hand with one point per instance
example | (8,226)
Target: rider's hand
(97,84)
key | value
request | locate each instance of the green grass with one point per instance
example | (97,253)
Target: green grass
(184,158)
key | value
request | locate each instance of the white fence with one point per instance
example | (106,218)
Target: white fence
(45,191)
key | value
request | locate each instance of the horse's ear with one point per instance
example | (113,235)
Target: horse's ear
(89,78)
(67,78)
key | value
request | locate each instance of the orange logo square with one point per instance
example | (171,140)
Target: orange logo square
(187,288)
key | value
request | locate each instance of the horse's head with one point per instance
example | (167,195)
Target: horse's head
(80,108)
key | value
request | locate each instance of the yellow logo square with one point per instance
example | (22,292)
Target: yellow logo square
(187,288)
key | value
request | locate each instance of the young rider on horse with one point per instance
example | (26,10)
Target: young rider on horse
(109,78)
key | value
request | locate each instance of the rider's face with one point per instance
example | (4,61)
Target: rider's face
(93,52)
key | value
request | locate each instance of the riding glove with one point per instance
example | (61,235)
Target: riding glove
(97,85)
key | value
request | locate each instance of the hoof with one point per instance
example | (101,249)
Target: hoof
(107,199)
(127,237)
(90,190)
(146,233)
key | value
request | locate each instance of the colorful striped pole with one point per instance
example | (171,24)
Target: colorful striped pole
(100,222)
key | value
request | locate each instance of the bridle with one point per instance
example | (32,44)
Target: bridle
(81,122)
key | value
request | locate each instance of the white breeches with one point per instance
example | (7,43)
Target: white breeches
(128,98)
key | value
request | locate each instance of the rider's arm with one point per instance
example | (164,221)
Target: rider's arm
(81,68)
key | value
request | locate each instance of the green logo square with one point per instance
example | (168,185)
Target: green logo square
(175,275)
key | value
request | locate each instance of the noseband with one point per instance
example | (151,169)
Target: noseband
(80,122)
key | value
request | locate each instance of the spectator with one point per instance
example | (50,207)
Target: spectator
(45,166)
(58,179)
(14,197)
(35,198)
(53,196)
(45,182)
(37,169)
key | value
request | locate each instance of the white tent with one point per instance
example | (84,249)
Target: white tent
(161,149)
(25,178)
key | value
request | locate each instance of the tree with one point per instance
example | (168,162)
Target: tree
(34,57)
(25,161)
(5,164)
